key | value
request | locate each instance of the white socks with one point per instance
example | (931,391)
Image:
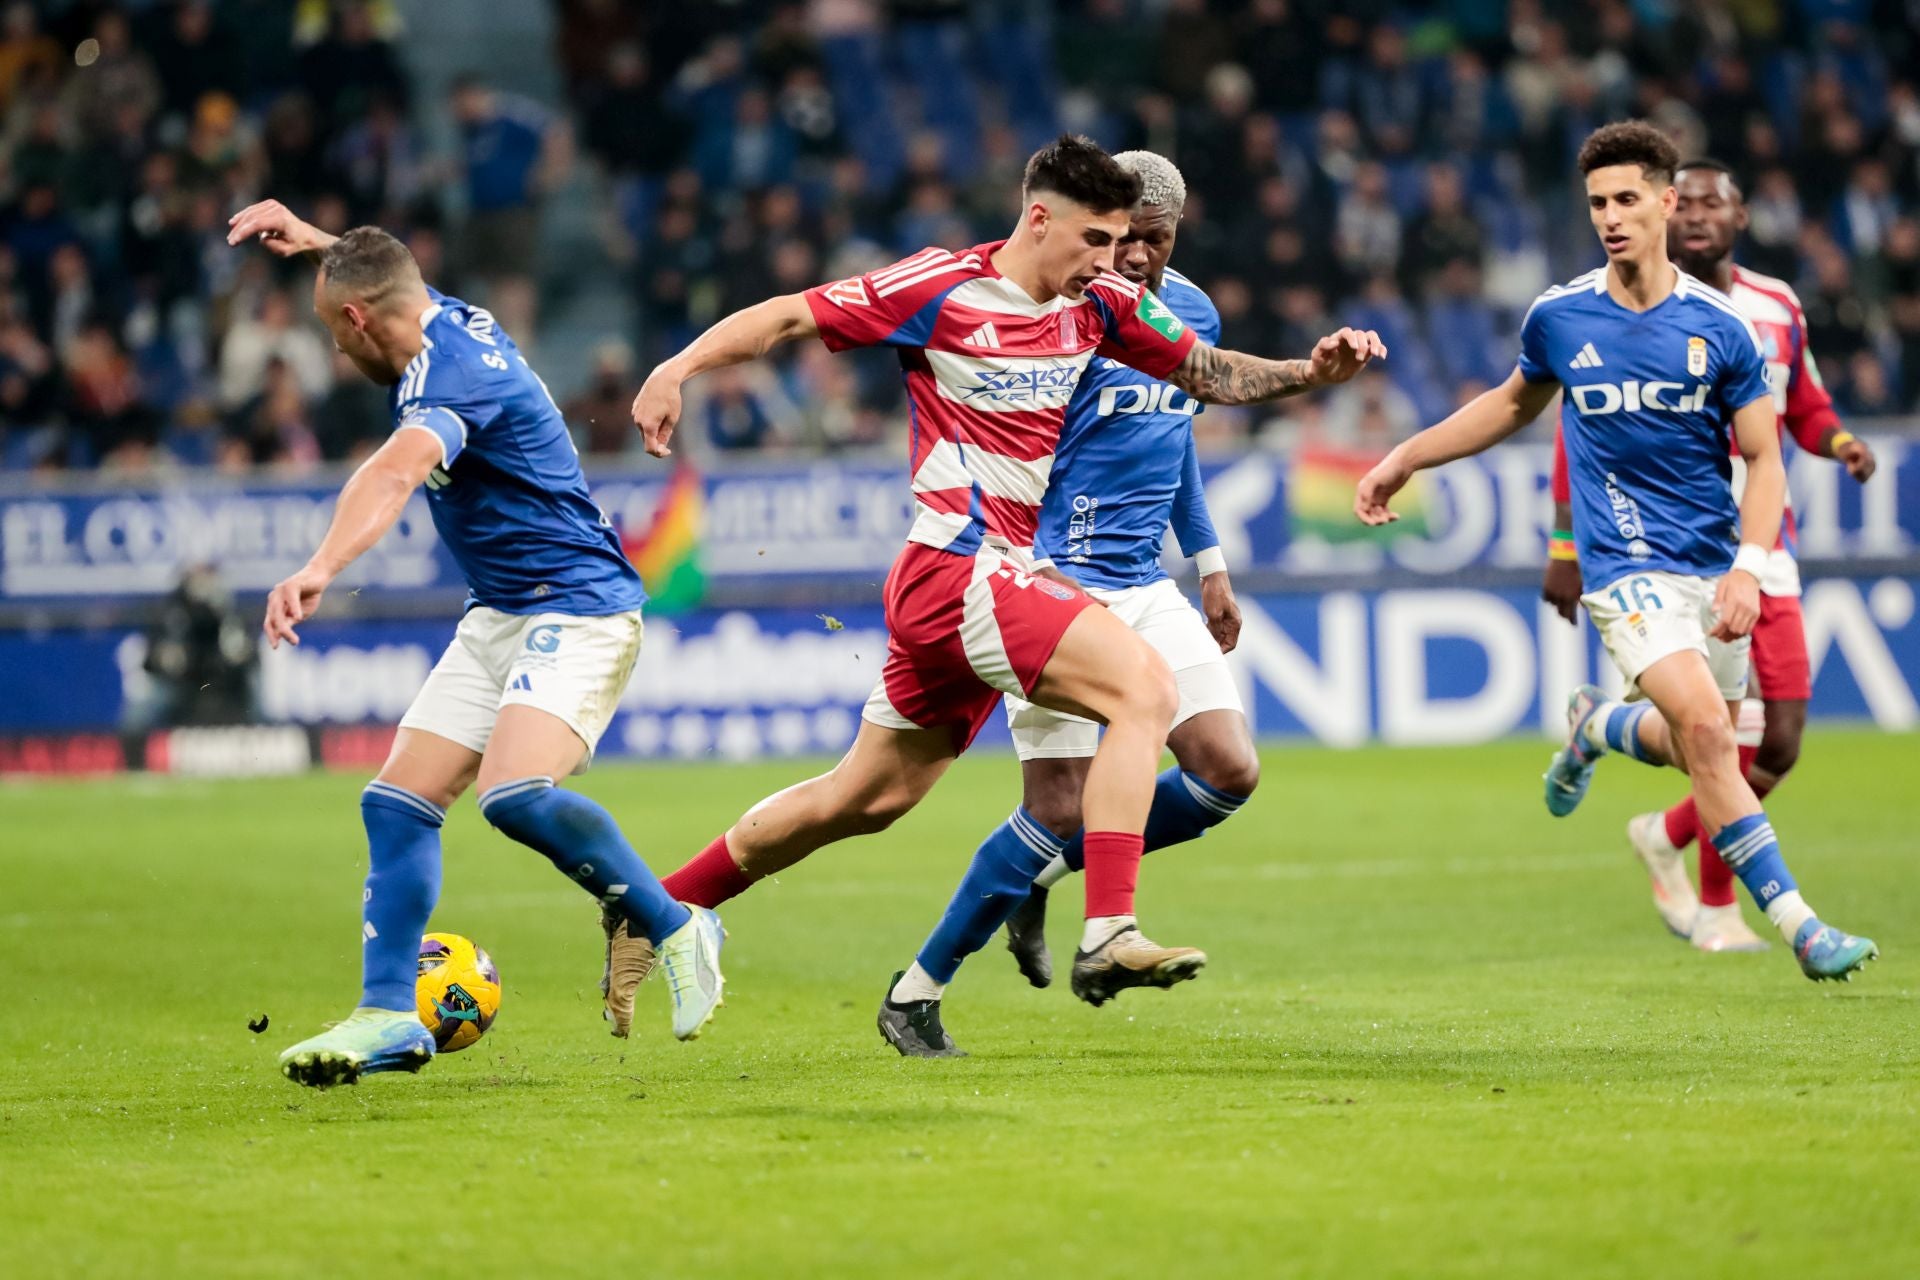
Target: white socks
(1100,928)
(1788,912)
(1052,874)
(915,986)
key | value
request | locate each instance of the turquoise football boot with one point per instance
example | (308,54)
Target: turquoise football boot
(1825,952)
(1571,771)
(368,1042)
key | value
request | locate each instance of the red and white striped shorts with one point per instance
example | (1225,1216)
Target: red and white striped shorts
(961,631)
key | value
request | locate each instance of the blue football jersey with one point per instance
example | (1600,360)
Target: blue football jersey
(508,497)
(1649,399)
(1126,465)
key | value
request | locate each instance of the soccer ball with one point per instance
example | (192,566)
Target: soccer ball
(458,992)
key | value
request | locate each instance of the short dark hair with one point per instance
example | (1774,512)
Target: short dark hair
(369,264)
(1707,164)
(1631,142)
(1074,166)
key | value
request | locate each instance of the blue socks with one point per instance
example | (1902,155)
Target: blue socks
(584,841)
(1619,726)
(997,881)
(1748,846)
(1183,809)
(403,882)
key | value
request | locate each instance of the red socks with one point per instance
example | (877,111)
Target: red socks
(709,879)
(1716,877)
(1113,869)
(1683,822)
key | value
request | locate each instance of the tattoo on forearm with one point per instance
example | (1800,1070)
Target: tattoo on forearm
(1216,376)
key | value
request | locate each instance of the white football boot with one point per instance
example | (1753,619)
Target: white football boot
(1673,895)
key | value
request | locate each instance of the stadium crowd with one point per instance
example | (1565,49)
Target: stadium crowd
(1404,167)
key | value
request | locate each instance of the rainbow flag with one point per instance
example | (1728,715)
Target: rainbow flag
(1320,485)
(667,554)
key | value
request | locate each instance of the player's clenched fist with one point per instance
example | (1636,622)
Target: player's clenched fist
(1338,356)
(1858,459)
(277,230)
(1736,605)
(656,410)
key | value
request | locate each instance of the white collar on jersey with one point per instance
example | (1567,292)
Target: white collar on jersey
(426,317)
(1680,282)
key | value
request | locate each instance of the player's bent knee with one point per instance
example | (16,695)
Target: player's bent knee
(1238,776)
(1059,814)
(1152,695)
(1780,740)
(1708,741)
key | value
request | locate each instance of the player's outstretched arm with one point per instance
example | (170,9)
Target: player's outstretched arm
(1476,426)
(1737,600)
(745,335)
(278,231)
(1214,375)
(368,506)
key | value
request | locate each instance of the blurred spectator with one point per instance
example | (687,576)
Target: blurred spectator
(1865,209)
(628,124)
(1836,314)
(739,409)
(351,68)
(273,423)
(272,336)
(1443,233)
(1369,414)
(1367,228)
(601,416)
(104,406)
(512,151)
(1867,392)
(119,90)
(192,56)
(352,419)
(28,56)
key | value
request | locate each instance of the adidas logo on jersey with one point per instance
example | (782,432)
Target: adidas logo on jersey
(1587,359)
(984,336)
(1596,398)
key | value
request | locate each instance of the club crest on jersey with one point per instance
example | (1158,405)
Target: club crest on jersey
(1069,331)
(1697,357)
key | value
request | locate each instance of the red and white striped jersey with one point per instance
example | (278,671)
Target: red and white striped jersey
(1799,398)
(989,372)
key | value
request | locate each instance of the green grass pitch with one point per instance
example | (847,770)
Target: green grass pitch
(1442,1035)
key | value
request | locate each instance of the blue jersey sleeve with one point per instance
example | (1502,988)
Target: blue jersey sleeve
(446,426)
(1192,523)
(1743,371)
(447,389)
(1535,364)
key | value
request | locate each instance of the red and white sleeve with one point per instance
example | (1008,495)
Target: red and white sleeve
(892,306)
(1810,412)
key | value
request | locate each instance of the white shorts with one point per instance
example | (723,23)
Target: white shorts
(570,667)
(1161,616)
(1644,617)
